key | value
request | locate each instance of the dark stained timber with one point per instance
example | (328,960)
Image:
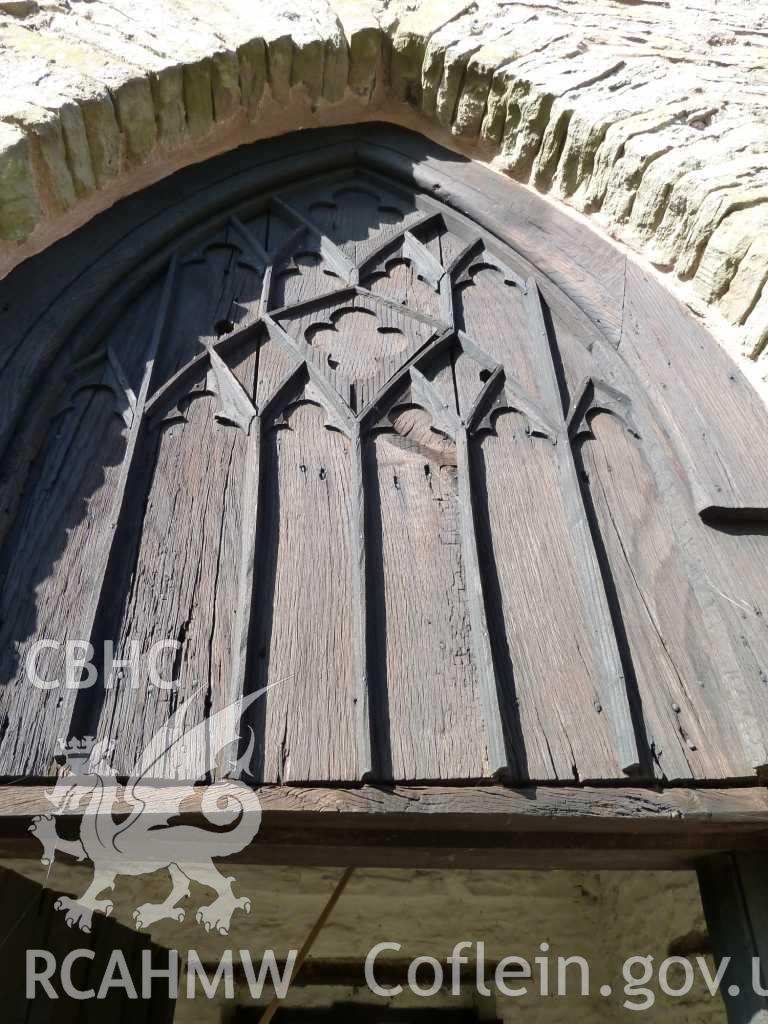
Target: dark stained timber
(360,602)
(469,500)
(62,723)
(734,894)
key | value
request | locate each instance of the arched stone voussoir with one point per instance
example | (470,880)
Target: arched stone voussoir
(649,120)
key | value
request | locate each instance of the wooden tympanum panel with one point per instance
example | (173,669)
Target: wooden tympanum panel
(337,439)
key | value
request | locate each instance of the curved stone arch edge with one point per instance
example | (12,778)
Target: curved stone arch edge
(662,145)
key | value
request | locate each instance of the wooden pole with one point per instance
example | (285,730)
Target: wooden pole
(734,894)
(314,931)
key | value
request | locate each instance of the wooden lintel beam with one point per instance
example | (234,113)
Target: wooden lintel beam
(502,809)
(305,848)
(634,806)
(468,827)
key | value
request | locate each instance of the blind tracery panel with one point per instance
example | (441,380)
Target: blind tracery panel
(351,450)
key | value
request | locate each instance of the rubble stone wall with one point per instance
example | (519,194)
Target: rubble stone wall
(647,117)
(604,917)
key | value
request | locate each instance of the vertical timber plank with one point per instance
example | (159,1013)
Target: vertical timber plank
(734,894)
(127,470)
(614,688)
(359,573)
(480,637)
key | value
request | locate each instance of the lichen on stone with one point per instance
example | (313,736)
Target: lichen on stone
(648,117)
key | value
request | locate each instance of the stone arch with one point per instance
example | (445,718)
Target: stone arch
(106,99)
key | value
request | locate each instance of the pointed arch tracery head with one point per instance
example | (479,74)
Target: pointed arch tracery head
(404,474)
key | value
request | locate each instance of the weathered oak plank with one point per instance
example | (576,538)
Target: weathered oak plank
(422,620)
(470,827)
(718,420)
(305,639)
(558,607)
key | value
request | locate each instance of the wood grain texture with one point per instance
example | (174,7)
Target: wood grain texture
(85,701)
(487,827)
(671,810)
(733,582)
(613,697)
(543,641)
(666,633)
(493,710)
(355,214)
(584,266)
(356,342)
(305,640)
(491,311)
(719,422)
(57,546)
(422,621)
(184,583)
(393,275)
(358,543)
(362,467)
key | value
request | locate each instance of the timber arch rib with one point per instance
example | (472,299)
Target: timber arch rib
(330,432)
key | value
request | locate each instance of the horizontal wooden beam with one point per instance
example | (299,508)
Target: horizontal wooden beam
(443,827)
(552,808)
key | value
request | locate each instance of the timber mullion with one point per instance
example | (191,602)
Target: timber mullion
(481,639)
(251,523)
(251,519)
(360,602)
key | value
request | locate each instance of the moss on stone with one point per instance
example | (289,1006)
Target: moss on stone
(19,205)
(252,61)
(77,149)
(54,157)
(365,49)
(335,69)
(168,98)
(279,61)
(198,98)
(103,134)
(136,117)
(307,67)
(225,84)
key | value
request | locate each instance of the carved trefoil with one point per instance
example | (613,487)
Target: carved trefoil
(367,456)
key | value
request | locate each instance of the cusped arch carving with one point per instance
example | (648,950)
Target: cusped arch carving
(409,489)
